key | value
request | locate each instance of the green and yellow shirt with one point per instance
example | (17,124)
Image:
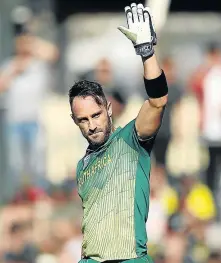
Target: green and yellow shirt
(113,183)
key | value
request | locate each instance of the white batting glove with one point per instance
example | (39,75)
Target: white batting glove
(140,29)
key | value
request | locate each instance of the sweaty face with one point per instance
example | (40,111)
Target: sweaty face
(93,120)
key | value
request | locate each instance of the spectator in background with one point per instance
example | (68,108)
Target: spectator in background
(20,247)
(102,73)
(164,202)
(195,215)
(175,248)
(214,257)
(118,103)
(205,84)
(24,79)
(198,199)
(164,134)
(71,251)
(212,58)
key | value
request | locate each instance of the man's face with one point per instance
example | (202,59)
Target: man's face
(93,120)
(24,44)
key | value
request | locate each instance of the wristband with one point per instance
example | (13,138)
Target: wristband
(156,88)
(144,50)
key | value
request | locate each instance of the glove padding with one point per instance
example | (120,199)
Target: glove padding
(140,29)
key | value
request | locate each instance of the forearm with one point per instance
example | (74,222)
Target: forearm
(151,67)
(150,116)
(153,71)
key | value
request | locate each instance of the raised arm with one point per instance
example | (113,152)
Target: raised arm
(141,32)
(149,118)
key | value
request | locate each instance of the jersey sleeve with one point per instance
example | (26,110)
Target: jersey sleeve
(130,136)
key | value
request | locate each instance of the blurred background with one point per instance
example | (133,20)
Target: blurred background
(47,45)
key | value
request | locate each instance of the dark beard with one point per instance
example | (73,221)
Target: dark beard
(95,145)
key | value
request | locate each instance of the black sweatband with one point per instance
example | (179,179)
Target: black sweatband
(156,88)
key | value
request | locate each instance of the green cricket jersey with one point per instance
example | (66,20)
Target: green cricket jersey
(113,183)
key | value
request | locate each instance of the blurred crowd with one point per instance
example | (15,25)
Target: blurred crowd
(40,213)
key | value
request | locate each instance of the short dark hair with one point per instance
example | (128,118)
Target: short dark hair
(84,88)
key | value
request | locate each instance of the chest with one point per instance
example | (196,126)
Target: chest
(102,171)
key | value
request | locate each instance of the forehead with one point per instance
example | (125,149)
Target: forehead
(85,106)
(23,38)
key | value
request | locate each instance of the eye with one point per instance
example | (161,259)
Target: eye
(96,115)
(83,120)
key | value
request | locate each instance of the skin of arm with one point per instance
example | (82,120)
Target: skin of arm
(149,118)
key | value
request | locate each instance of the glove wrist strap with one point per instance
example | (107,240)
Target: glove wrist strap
(145,50)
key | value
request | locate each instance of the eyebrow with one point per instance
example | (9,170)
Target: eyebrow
(98,112)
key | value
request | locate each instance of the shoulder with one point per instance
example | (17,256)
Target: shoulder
(130,136)
(128,128)
(128,132)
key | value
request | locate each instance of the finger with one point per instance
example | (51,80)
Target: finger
(128,33)
(123,29)
(134,12)
(148,16)
(149,20)
(129,16)
(140,9)
(149,11)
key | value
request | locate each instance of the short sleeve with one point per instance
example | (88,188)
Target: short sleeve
(130,136)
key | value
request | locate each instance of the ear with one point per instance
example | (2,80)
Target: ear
(109,108)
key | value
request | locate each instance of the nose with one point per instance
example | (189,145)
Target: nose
(92,126)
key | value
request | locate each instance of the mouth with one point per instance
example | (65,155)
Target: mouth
(94,134)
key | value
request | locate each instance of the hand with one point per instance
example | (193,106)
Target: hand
(140,29)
